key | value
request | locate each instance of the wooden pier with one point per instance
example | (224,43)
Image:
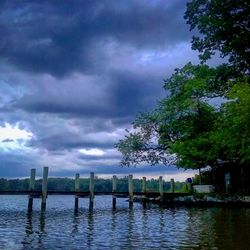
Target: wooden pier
(143,196)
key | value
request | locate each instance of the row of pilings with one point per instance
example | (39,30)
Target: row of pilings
(91,193)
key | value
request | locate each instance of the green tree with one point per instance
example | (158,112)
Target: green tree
(177,131)
(187,127)
(190,127)
(224,26)
(232,136)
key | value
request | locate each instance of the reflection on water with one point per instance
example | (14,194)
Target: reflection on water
(75,223)
(28,229)
(137,227)
(90,227)
(41,232)
(129,235)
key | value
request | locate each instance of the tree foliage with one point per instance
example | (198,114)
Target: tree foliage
(233,128)
(101,185)
(177,130)
(204,120)
(223,26)
(191,127)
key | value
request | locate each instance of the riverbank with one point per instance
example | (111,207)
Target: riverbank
(207,200)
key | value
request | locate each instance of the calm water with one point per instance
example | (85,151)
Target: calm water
(137,228)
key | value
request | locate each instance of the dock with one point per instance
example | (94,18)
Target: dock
(144,195)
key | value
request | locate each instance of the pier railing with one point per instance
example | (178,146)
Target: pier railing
(143,196)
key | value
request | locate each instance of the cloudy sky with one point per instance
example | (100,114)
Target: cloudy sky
(73,75)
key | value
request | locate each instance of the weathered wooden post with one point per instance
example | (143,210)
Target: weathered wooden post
(130,189)
(77,188)
(144,184)
(189,185)
(172,186)
(161,188)
(31,188)
(91,190)
(227,182)
(144,188)
(200,176)
(44,187)
(114,189)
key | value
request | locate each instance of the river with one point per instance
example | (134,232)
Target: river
(153,227)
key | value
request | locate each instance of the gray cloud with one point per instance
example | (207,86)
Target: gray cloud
(69,141)
(123,97)
(61,37)
(76,73)
(16,164)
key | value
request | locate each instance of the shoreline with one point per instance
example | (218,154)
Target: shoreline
(204,200)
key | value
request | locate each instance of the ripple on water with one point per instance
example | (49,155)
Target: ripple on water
(150,228)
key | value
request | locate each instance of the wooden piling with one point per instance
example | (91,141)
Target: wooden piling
(172,186)
(114,189)
(91,190)
(31,188)
(227,182)
(161,188)
(77,188)
(130,189)
(44,187)
(144,184)
(189,186)
(144,188)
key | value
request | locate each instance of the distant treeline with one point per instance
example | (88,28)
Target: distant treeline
(101,185)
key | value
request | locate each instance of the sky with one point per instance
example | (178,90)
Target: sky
(73,76)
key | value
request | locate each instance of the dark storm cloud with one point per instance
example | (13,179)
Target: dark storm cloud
(7,140)
(34,104)
(126,95)
(16,164)
(69,141)
(60,37)
(75,74)
(134,93)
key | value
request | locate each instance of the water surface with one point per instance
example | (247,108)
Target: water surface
(152,227)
